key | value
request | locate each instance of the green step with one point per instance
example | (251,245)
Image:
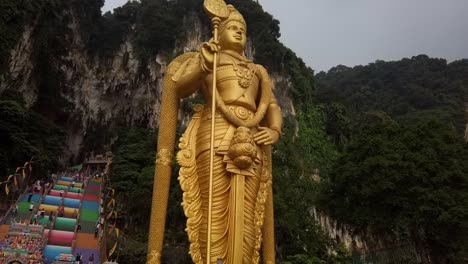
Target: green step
(23,208)
(60,187)
(89,215)
(65,224)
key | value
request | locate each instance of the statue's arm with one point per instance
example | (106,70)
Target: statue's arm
(192,72)
(190,75)
(183,77)
(269,135)
(271,131)
(273,116)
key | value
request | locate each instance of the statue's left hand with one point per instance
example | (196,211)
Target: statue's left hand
(207,51)
(266,136)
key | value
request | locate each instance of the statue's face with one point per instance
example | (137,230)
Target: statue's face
(233,37)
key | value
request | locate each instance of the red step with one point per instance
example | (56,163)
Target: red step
(4,230)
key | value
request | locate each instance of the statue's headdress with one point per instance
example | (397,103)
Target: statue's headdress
(234,15)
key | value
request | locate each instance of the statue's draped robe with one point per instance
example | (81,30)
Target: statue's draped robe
(234,190)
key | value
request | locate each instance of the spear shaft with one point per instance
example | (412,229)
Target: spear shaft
(217,10)
(215,22)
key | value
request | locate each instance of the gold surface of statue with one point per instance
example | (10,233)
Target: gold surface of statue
(225,169)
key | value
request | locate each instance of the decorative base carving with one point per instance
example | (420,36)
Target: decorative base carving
(155,258)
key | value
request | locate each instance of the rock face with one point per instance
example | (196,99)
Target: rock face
(466,121)
(340,232)
(91,92)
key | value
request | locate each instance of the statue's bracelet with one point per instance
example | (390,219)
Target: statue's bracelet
(205,68)
(277,129)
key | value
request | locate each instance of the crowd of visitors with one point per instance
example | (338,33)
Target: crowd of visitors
(27,248)
(22,242)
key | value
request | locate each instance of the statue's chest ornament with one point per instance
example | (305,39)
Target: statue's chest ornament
(245,73)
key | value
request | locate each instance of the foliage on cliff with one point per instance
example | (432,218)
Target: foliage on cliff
(15,15)
(47,22)
(402,173)
(25,134)
(153,25)
(132,178)
(405,181)
(408,90)
(304,151)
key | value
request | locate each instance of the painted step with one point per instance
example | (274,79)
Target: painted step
(86,241)
(86,253)
(4,230)
(51,252)
(60,238)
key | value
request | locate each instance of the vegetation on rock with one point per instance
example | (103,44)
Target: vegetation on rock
(402,172)
(26,134)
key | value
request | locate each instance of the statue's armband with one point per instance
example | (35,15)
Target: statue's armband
(186,73)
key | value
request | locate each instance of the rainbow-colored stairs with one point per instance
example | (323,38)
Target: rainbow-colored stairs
(86,243)
(80,207)
(65,238)
(61,232)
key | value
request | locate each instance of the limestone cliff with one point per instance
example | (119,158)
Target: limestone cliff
(84,91)
(466,121)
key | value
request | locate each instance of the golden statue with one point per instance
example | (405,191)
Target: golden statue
(225,153)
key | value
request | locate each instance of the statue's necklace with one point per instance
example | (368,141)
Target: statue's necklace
(245,74)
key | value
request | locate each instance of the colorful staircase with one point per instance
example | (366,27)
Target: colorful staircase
(61,232)
(86,243)
(60,240)
(63,240)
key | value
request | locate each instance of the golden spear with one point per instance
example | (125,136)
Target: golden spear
(217,10)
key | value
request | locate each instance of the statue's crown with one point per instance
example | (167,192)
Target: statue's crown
(234,15)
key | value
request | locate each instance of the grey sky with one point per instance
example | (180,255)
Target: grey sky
(325,33)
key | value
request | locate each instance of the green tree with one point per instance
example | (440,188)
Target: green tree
(25,134)
(133,178)
(407,182)
(408,90)
(303,150)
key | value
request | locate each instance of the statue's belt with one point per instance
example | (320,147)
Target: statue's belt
(240,112)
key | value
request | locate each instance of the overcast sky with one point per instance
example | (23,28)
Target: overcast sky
(325,33)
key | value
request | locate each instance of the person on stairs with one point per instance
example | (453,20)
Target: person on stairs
(78,258)
(96,230)
(15,210)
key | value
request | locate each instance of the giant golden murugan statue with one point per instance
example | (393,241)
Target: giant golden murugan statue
(225,155)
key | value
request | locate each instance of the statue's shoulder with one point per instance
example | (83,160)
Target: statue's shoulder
(177,63)
(261,71)
(260,67)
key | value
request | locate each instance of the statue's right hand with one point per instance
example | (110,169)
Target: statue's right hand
(208,49)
